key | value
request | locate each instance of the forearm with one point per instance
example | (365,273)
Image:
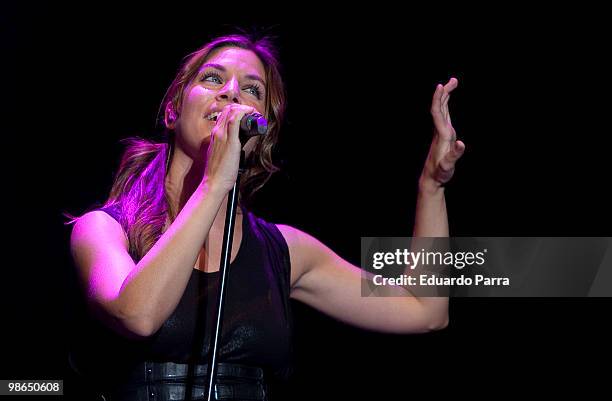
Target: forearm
(152,290)
(431,220)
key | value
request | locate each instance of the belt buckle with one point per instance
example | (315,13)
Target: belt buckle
(216,392)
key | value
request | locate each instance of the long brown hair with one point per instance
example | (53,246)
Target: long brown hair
(138,192)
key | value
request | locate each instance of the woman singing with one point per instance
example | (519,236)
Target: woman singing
(149,257)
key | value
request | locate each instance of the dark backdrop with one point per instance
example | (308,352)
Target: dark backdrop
(532,108)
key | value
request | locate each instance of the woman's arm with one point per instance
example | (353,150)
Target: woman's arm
(431,219)
(323,280)
(328,283)
(138,298)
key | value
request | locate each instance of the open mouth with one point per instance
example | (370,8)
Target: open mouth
(213,116)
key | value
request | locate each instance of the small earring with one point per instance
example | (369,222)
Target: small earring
(171,119)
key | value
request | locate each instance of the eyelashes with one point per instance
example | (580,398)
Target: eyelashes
(211,74)
(214,77)
(256,90)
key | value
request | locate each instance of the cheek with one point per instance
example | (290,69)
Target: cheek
(259,105)
(195,100)
(192,126)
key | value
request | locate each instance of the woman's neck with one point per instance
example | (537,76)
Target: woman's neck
(184,177)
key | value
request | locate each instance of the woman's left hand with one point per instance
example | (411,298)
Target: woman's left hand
(445,149)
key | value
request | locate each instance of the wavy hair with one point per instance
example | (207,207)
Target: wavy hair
(138,192)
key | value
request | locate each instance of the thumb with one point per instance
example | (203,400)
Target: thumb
(450,158)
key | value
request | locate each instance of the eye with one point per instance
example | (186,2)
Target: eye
(212,77)
(254,90)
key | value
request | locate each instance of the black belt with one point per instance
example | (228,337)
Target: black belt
(167,381)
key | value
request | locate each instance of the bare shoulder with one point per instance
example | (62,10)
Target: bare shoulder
(292,237)
(300,243)
(99,248)
(296,237)
(99,244)
(291,234)
(95,227)
(304,250)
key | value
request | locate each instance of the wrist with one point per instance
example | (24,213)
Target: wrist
(209,188)
(429,186)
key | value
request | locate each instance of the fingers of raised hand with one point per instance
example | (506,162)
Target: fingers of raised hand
(439,107)
(436,105)
(450,86)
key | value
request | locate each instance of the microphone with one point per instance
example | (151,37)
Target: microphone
(251,125)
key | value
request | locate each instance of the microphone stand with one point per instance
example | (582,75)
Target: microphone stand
(250,125)
(226,254)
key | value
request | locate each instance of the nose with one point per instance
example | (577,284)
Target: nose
(230,91)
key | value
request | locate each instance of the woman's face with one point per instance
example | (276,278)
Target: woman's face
(229,75)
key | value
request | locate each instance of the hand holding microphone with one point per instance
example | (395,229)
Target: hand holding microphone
(235,122)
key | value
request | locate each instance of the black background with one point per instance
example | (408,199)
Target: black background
(532,108)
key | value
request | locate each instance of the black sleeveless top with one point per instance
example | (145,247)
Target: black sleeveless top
(256,327)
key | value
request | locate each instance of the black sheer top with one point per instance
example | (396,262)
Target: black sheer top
(256,327)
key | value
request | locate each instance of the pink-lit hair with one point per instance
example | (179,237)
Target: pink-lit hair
(138,190)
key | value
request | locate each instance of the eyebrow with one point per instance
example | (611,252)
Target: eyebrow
(223,69)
